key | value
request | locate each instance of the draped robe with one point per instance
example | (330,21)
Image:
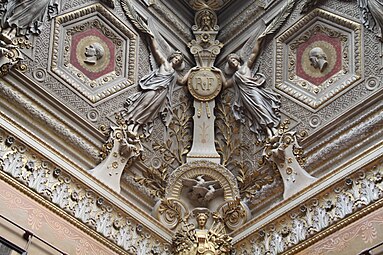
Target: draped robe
(256,103)
(153,99)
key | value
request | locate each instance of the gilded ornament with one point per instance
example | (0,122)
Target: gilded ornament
(198,240)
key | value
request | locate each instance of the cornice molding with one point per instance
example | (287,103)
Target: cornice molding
(25,107)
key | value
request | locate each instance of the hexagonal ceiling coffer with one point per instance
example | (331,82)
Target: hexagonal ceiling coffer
(318,58)
(94,52)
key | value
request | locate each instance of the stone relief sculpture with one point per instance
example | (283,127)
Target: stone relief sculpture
(10,54)
(93,52)
(252,101)
(120,150)
(155,95)
(156,88)
(318,58)
(372,15)
(192,240)
(27,16)
(284,151)
(202,191)
(20,18)
(154,98)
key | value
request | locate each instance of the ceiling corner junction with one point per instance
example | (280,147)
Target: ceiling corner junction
(201,193)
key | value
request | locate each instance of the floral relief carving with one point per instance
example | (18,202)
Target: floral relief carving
(39,218)
(363,231)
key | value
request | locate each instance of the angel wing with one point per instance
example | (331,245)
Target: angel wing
(133,16)
(309,5)
(263,29)
(189,182)
(372,15)
(247,48)
(281,17)
(149,29)
(164,47)
(109,3)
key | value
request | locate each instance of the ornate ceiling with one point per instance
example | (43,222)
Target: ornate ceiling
(133,120)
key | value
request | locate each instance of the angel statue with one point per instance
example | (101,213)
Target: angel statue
(156,88)
(253,102)
(155,95)
(26,16)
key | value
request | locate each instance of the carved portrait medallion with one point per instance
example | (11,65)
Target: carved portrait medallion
(94,52)
(318,57)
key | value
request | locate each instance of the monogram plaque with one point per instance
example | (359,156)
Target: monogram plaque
(204,84)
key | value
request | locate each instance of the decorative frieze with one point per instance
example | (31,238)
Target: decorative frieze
(356,195)
(55,185)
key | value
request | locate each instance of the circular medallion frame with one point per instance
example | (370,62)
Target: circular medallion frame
(204,84)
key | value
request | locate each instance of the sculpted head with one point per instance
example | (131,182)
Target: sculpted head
(233,63)
(318,58)
(94,52)
(176,59)
(201,220)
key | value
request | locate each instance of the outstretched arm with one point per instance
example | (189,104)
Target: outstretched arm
(158,56)
(256,50)
(225,83)
(184,79)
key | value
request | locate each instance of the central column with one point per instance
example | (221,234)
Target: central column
(204,84)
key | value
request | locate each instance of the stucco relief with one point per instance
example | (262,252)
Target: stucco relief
(76,201)
(324,54)
(352,239)
(319,57)
(94,57)
(293,231)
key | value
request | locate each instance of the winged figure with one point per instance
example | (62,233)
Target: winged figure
(26,16)
(253,102)
(372,15)
(155,89)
